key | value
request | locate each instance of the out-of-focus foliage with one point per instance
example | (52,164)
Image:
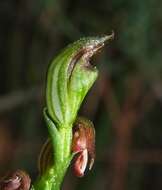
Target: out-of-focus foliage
(125,103)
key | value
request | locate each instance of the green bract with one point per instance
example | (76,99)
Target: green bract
(69,78)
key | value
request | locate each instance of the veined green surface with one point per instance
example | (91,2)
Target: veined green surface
(69,78)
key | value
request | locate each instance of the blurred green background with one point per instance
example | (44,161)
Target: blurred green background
(125,103)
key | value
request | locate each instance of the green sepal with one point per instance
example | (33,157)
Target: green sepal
(79,85)
(69,77)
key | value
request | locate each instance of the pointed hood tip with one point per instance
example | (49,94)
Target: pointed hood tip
(106,38)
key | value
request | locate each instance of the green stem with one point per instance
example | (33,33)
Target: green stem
(53,177)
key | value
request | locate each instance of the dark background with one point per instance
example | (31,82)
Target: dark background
(125,103)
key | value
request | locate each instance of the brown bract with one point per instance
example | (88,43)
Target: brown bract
(18,180)
(83,145)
